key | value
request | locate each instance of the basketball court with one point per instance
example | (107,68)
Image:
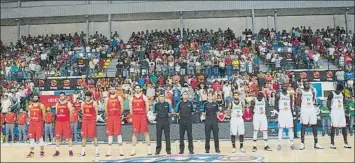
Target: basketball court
(18,152)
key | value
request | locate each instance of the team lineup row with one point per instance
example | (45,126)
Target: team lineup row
(139,107)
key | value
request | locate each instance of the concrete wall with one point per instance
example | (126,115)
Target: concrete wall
(125,28)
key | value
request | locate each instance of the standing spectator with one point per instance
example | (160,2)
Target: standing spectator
(5,104)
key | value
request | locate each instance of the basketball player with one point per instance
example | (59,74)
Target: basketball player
(37,112)
(113,109)
(260,121)
(139,109)
(90,111)
(285,108)
(64,110)
(308,114)
(336,102)
(236,110)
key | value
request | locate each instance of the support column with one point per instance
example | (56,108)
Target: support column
(181,26)
(87,28)
(346,20)
(18,4)
(18,29)
(334,23)
(109,26)
(275,20)
(253,21)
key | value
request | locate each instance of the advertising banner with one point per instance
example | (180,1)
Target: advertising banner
(51,100)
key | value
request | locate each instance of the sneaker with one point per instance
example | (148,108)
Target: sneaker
(347,146)
(169,153)
(279,147)
(302,146)
(255,149)
(56,154)
(42,154)
(218,151)
(149,151)
(71,153)
(234,150)
(157,153)
(121,153)
(207,151)
(267,148)
(332,146)
(108,155)
(133,153)
(82,154)
(293,147)
(30,155)
(242,150)
(97,154)
(317,146)
(181,152)
(191,153)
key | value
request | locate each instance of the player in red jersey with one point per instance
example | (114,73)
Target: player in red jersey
(113,109)
(74,119)
(89,109)
(35,128)
(139,108)
(64,110)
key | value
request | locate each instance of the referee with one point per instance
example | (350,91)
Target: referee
(162,109)
(184,109)
(210,109)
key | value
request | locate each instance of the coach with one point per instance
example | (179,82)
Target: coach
(162,109)
(184,109)
(210,109)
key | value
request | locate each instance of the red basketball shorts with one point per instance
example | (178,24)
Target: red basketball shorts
(113,125)
(35,130)
(139,124)
(88,129)
(62,128)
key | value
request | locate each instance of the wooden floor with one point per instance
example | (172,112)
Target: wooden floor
(17,153)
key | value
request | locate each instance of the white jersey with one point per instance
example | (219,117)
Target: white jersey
(284,102)
(259,107)
(307,99)
(337,101)
(237,110)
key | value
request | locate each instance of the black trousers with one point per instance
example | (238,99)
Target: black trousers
(211,125)
(163,124)
(185,124)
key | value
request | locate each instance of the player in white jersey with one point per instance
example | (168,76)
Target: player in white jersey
(308,114)
(236,110)
(336,102)
(285,107)
(260,121)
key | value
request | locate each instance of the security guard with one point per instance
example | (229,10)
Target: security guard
(184,109)
(210,109)
(162,110)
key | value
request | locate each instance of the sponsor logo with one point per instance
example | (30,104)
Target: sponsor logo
(190,158)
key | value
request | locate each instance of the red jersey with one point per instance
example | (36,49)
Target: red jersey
(77,105)
(35,113)
(10,118)
(138,106)
(89,112)
(75,116)
(48,118)
(113,107)
(63,112)
(22,118)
